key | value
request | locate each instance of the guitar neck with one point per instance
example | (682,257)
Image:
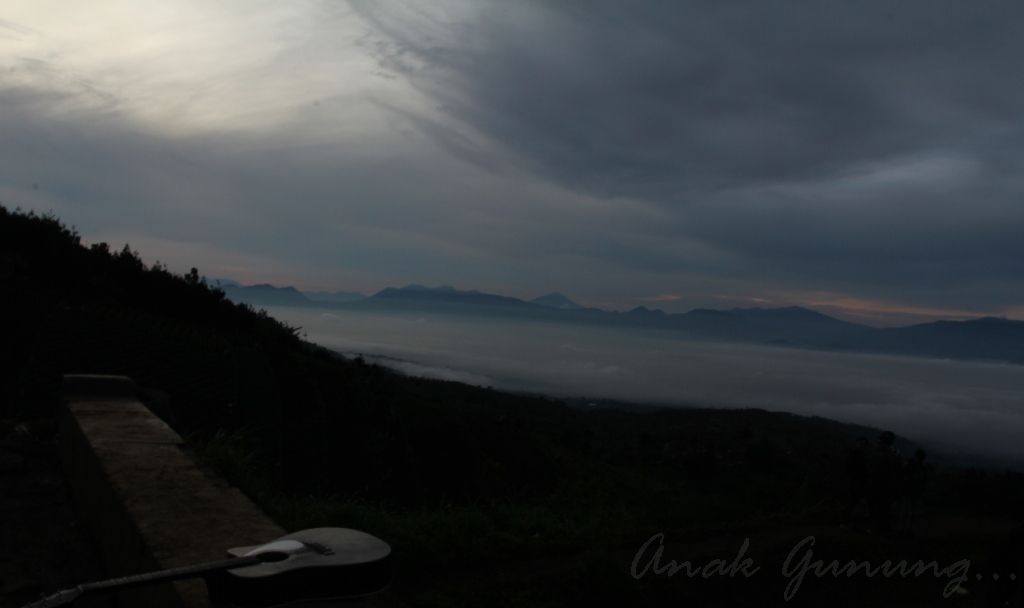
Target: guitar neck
(171,574)
(138,580)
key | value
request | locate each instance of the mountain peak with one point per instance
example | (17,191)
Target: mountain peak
(997,321)
(643,310)
(556,300)
(786,314)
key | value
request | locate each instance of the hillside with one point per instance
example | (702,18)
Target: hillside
(489,497)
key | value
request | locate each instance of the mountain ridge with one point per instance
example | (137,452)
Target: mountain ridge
(985,338)
(557,300)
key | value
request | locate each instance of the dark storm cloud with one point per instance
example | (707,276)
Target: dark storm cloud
(661,98)
(872,146)
(699,152)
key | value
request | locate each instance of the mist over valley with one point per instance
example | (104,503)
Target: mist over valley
(959,408)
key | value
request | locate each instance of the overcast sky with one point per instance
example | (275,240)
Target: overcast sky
(862,158)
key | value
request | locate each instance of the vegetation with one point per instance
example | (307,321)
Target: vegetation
(488,497)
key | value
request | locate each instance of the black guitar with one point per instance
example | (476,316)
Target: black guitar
(316,564)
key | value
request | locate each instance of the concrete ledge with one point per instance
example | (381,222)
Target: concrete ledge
(146,502)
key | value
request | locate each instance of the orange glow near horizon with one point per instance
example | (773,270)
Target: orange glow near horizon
(890,313)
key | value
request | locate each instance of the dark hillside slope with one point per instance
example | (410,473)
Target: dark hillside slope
(67,307)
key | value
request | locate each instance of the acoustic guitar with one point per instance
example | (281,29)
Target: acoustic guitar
(310,565)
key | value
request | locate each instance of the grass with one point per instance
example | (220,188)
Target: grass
(574,545)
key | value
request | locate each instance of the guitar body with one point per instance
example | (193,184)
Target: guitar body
(336,563)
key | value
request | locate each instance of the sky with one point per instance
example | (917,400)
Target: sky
(861,158)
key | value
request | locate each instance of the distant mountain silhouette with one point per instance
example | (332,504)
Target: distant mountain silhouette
(445,297)
(334,297)
(642,312)
(792,314)
(797,325)
(266,295)
(988,338)
(981,339)
(556,300)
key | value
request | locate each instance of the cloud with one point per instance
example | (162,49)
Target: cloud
(668,99)
(866,147)
(604,150)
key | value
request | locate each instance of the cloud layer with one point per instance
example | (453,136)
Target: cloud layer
(863,154)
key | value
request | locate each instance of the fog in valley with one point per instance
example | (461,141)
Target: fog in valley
(957,409)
